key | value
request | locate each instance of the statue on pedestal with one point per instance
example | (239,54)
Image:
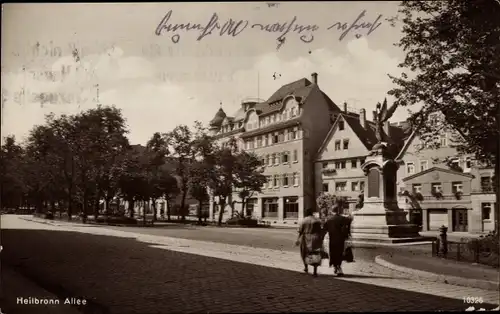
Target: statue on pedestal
(383,115)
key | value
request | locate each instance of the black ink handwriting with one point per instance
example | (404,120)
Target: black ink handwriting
(286,27)
(230,27)
(357,24)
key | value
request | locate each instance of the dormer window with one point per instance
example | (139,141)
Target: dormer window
(293,112)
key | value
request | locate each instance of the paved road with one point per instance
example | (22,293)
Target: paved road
(122,275)
(276,239)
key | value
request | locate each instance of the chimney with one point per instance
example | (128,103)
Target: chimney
(374,115)
(386,128)
(345,107)
(314,78)
(362,118)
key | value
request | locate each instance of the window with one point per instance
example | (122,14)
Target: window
(276,159)
(273,118)
(337,165)
(285,158)
(270,160)
(251,144)
(443,141)
(436,187)
(468,163)
(295,156)
(337,145)
(270,207)
(362,185)
(285,114)
(410,168)
(293,112)
(354,186)
(486,184)
(264,140)
(342,165)
(417,188)
(456,187)
(346,144)
(291,207)
(295,179)
(340,186)
(354,163)
(269,181)
(325,165)
(275,138)
(267,120)
(264,161)
(276,180)
(325,187)
(424,165)
(281,137)
(292,134)
(486,211)
(259,141)
(341,125)
(285,180)
(455,163)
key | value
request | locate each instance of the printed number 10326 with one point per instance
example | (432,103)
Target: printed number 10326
(473,300)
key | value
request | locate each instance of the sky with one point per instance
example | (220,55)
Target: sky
(161,75)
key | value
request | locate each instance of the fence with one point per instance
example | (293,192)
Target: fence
(473,251)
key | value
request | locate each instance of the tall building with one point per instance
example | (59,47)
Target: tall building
(344,149)
(286,131)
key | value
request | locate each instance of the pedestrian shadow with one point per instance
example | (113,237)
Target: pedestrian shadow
(353,276)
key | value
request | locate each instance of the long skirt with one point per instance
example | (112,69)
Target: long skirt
(310,244)
(336,251)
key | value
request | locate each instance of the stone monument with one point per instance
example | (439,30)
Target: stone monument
(380,219)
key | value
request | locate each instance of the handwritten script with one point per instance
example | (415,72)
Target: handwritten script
(233,27)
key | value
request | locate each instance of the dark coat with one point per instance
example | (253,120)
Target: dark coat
(338,228)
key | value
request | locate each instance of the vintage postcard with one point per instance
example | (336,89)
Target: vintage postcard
(250,156)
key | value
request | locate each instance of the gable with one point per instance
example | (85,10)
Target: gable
(356,146)
(436,174)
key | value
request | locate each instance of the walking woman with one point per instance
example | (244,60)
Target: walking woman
(338,228)
(310,241)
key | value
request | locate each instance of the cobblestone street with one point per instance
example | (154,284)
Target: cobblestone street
(120,272)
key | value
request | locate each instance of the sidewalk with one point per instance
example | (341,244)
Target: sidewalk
(443,270)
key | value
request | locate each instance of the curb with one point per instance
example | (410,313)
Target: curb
(451,280)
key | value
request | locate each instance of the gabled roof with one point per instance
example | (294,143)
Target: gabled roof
(398,134)
(438,169)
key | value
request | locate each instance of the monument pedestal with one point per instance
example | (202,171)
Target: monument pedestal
(380,219)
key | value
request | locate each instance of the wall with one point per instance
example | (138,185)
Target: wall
(316,121)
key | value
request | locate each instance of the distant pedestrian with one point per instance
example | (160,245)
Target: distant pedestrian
(310,241)
(338,228)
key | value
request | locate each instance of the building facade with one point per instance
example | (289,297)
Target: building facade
(339,159)
(286,131)
(440,187)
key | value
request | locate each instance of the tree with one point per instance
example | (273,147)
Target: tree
(131,178)
(157,150)
(222,175)
(452,46)
(248,176)
(181,141)
(12,179)
(169,186)
(325,202)
(199,173)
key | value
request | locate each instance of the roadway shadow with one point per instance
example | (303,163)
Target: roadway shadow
(123,275)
